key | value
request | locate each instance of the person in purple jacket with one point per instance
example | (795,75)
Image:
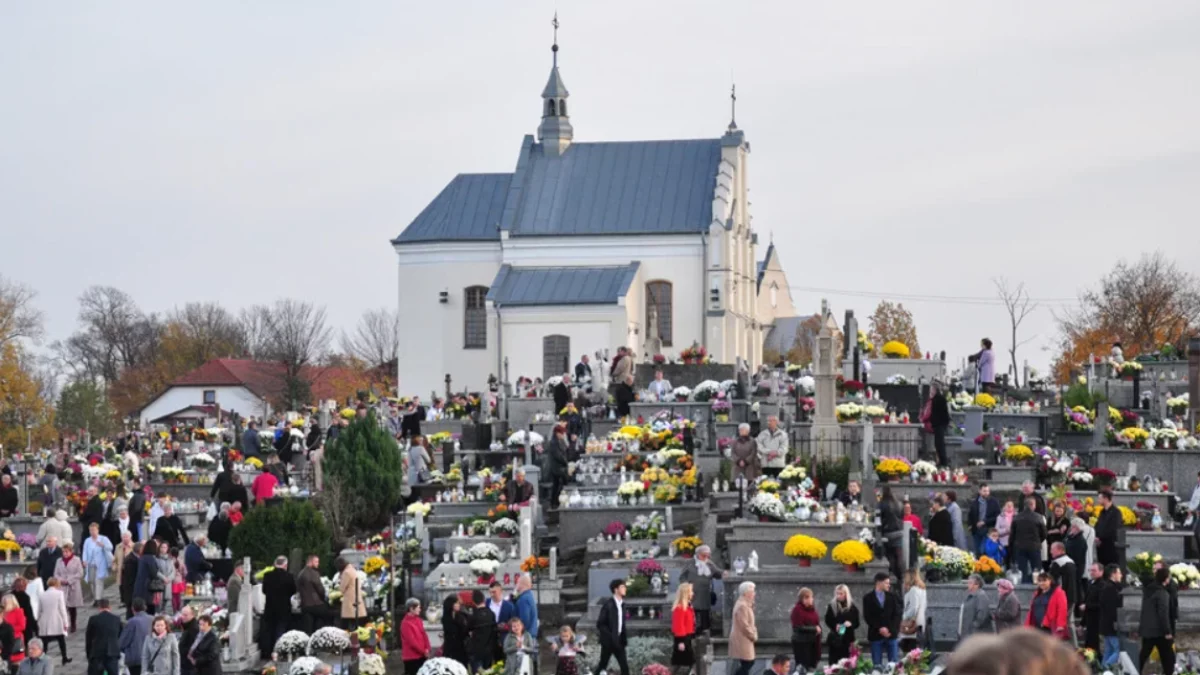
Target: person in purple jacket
(986,362)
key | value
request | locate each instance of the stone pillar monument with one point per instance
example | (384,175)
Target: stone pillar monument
(826,434)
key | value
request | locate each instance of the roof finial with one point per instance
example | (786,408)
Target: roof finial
(554,47)
(732,107)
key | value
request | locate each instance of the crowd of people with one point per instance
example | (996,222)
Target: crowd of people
(479,630)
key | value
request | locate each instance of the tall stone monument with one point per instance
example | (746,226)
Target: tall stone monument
(826,434)
(1194,381)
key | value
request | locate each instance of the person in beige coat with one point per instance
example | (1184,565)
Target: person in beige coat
(744,633)
(354,603)
(744,453)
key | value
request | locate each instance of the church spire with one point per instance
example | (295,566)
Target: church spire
(555,131)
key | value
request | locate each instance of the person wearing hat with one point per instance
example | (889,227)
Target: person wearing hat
(700,575)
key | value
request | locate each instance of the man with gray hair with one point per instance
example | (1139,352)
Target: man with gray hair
(35,661)
(526,605)
(772,447)
(700,576)
(975,615)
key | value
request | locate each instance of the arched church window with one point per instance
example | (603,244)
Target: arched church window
(562,108)
(658,310)
(550,108)
(475,317)
(774,295)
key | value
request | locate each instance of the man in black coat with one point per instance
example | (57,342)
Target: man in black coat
(941,528)
(129,570)
(1064,573)
(562,394)
(278,589)
(1108,525)
(92,513)
(624,395)
(10,499)
(1111,602)
(611,628)
(235,492)
(982,516)
(103,641)
(583,370)
(1028,533)
(204,654)
(170,528)
(881,612)
(1091,606)
(48,559)
(137,511)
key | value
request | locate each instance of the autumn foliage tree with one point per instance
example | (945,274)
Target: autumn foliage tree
(23,407)
(1144,305)
(892,321)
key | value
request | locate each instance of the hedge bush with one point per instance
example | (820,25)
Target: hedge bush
(271,531)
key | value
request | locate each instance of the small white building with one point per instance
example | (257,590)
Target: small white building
(582,247)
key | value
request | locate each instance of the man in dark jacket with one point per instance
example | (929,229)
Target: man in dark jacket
(482,640)
(1027,493)
(278,589)
(10,499)
(624,395)
(941,529)
(92,513)
(315,611)
(236,492)
(557,462)
(1025,540)
(982,516)
(103,640)
(1108,527)
(1173,590)
(881,612)
(170,528)
(137,511)
(134,635)
(1091,606)
(611,628)
(251,445)
(129,570)
(48,559)
(204,654)
(1065,574)
(1155,624)
(562,394)
(583,370)
(1111,602)
(195,562)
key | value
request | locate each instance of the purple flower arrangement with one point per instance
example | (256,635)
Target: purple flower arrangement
(616,529)
(27,540)
(721,406)
(648,568)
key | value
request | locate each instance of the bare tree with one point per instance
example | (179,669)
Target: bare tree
(1019,306)
(114,335)
(376,339)
(205,331)
(295,335)
(253,325)
(18,317)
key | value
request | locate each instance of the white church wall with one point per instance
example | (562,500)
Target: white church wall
(432,337)
(589,328)
(675,258)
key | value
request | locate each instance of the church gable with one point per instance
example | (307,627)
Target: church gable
(468,209)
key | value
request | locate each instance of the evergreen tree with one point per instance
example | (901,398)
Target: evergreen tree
(362,474)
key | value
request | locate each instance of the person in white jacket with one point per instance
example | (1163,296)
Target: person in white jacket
(773,447)
(55,527)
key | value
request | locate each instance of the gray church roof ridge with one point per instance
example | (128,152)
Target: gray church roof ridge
(468,209)
(539,286)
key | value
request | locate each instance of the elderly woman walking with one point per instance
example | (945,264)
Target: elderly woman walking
(1007,614)
(744,453)
(414,641)
(744,633)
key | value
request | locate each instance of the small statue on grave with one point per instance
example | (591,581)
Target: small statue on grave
(656,584)
(752,565)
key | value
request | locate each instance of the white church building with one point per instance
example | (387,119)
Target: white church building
(583,246)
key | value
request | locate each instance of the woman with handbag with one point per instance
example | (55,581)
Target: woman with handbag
(842,619)
(912,621)
(160,651)
(14,616)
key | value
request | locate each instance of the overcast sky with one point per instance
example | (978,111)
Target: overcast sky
(243,152)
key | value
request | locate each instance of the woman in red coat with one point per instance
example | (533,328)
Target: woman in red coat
(1048,609)
(683,627)
(15,617)
(414,641)
(806,630)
